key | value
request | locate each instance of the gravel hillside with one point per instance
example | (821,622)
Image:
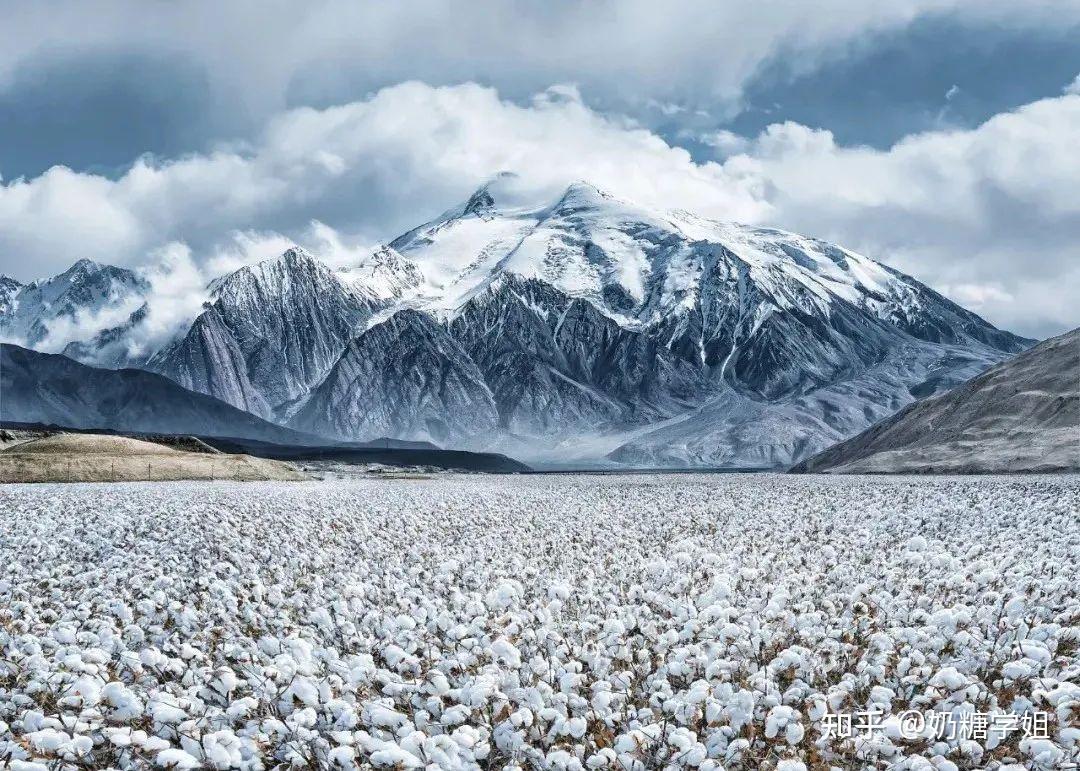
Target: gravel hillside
(1021,415)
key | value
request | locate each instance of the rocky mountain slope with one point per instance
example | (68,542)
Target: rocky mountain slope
(271,333)
(1020,415)
(583,329)
(405,377)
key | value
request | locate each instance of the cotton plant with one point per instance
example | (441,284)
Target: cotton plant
(681,622)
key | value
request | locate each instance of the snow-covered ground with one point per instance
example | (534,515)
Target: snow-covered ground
(560,622)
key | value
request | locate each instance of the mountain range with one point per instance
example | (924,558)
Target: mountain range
(581,330)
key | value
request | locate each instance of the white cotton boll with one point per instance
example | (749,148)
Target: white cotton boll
(166,713)
(176,759)
(383,716)
(394,655)
(151,743)
(95,656)
(950,679)
(604,758)
(302,718)
(522,718)
(601,701)
(1014,670)
(48,740)
(777,719)
(27,765)
(576,727)
(549,714)
(84,692)
(125,704)
(455,715)
(224,681)
(1015,608)
(65,635)
(241,708)
(304,691)
(790,765)
(222,749)
(916,543)
(504,595)
(119,737)
(342,757)
(558,590)
(321,617)
(1069,737)
(504,652)
(466,736)
(681,739)
(1042,751)
(394,756)
(568,682)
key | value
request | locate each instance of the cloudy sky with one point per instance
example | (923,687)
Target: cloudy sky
(939,136)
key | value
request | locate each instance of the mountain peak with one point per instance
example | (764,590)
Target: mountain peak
(293,258)
(583,195)
(296,254)
(273,271)
(83,267)
(505,191)
(480,201)
(384,274)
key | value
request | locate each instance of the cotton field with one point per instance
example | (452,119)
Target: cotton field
(542,622)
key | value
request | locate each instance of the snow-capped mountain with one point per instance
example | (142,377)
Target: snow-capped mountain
(84,299)
(607,330)
(769,312)
(583,329)
(111,348)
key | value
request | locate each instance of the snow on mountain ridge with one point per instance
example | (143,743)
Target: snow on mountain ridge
(660,271)
(385,274)
(594,245)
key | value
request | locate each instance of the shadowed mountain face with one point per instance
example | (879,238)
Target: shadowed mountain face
(405,377)
(584,329)
(1020,415)
(53,389)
